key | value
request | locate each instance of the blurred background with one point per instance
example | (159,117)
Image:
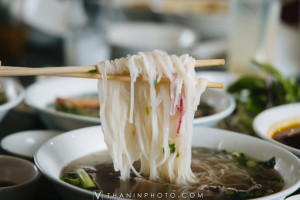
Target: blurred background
(37,33)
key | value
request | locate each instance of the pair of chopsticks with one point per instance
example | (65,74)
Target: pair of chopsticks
(91,71)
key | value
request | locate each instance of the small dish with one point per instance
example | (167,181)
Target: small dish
(20,177)
(14,92)
(266,120)
(26,143)
(223,103)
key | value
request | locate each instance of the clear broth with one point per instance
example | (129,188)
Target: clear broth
(100,167)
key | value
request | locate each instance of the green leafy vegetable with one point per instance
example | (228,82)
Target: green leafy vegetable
(85,179)
(79,178)
(269,163)
(254,94)
(172,148)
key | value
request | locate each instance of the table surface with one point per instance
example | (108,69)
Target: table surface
(30,121)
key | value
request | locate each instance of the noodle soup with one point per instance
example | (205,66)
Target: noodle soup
(220,175)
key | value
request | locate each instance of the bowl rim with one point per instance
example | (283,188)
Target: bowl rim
(15,101)
(284,192)
(264,136)
(33,179)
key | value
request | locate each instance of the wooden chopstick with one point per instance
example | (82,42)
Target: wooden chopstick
(27,71)
(87,72)
(127,78)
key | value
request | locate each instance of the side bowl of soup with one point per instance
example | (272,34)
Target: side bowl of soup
(58,153)
(280,125)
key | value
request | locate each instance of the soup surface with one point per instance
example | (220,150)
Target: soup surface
(4,183)
(223,176)
(289,135)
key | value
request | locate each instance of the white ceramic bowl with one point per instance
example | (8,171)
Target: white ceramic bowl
(42,93)
(15,93)
(58,152)
(265,123)
(26,143)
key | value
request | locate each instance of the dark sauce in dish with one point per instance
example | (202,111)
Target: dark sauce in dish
(263,178)
(4,183)
(204,109)
(289,135)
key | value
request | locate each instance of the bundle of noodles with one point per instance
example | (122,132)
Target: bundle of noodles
(149,121)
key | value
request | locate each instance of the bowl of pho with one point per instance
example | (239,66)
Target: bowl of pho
(234,155)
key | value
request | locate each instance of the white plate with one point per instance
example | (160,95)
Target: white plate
(263,122)
(58,152)
(26,143)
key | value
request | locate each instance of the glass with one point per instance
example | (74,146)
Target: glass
(253,31)
(85,42)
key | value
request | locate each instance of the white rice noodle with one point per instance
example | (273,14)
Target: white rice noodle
(141,120)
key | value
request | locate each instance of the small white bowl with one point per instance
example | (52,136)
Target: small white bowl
(15,93)
(60,151)
(26,143)
(265,123)
(42,93)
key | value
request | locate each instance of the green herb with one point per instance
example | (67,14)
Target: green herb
(254,94)
(73,181)
(240,158)
(154,82)
(85,179)
(269,163)
(147,110)
(172,148)
(243,160)
(93,71)
(177,155)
